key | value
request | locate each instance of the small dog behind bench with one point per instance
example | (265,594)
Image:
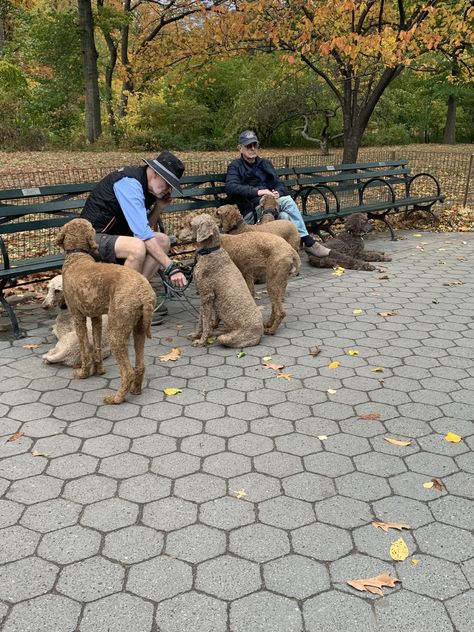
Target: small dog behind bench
(66,349)
(92,289)
(347,249)
(223,292)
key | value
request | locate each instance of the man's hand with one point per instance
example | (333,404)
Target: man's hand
(179,280)
(261,192)
(276,194)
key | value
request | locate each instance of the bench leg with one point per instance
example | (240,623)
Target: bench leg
(17,331)
(382,218)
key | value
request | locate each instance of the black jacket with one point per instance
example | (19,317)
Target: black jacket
(102,208)
(242,185)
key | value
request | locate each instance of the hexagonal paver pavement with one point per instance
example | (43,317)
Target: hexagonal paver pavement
(245,503)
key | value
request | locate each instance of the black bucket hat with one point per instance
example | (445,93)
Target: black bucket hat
(169,167)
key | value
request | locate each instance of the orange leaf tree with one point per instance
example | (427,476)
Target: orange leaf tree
(358,47)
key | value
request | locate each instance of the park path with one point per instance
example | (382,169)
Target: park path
(244,503)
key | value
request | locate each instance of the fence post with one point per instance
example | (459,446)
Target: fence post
(468,180)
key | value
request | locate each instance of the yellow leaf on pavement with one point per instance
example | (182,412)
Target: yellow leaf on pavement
(399,550)
(357,311)
(172,391)
(30,346)
(452,438)
(322,437)
(210,340)
(378,369)
(338,271)
(36,453)
(373,584)
(174,354)
(334,365)
(266,358)
(428,484)
(397,441)
(414,562)
(353,352)
(331,391)
(385,526)
(240,493)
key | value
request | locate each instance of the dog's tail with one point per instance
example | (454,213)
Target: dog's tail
(296,264)
(148,307)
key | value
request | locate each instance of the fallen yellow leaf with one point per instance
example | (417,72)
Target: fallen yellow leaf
(172,391)
(271,365)
(452,438)
(334,365)
(433,483)
(353,352)
(428,485)
(338,271)
(174,354)
(30,346)
(210,340)
(285,376)
(266,358)
(322,437)
(36,453)
(385,526)
(331,391)
(414,562)
(399,550)
(378,369)
(418,235)
(373,584)
(397,441)
(357,311)
(240,493)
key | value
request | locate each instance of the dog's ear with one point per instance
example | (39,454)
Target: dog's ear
(205,228)
(60,237)
(91,242)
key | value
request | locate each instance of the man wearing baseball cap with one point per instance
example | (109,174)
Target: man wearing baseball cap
(249,177)
(120,210)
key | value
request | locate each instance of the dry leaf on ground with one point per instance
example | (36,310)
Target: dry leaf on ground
(378,369)
(353,352)
(36,453)
(452,438)
(285,376)
(333,365)
(387,312)
(397,441)
(399,550)
(174,354)
(433,483)
(272,365)
(331,391)
(385,526)
(15,436)
(322,437)
(373,584)
(357,311)
(314,352)
(172,391)
(31,346)
(338,271)
(370,416)
(240,493)
(266,358)
(384,277)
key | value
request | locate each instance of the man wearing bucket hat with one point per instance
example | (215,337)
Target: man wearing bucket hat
(249,177)
(119,208)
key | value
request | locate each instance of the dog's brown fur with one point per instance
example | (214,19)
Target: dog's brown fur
(233,224)
(92,289)
(258,255)
(66,349)
(347,249)
(223,292)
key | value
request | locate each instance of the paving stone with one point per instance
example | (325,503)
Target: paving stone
(86,428)
(30,412)
(259,542)
(466,462)
(124,465)
(271,427)
(133,544)
(33,490)
(285,512)
(50,515)
(192,611)
(137,427)
(119,612)
(401,509)
(202,444)
(343,512)
(169,514)
(328,464)
(72,466)
(159,578)
(307,486)
(408,427)
(109,514)
(17,542)
(321,542)
(461,610)
(356,565)
(345,444)
(461,484)
(227,464)
(227,513)
(376,542)
(410,485)
(278,464)
(362,486)
(455,511)
(181,427)
(70,544)
(175,465)
(26,578)
(250,444)
(43,614)
(298,444)
(22,466)
(228,577)
(257,487)
(405,611)
(226,427)
(90,489)
(379,464)
(336,611)
(144,488)
(154,445)
(449,543)
(265,611)
(315,427)
(195,543)
(11,448)
(91,579)
(436,578)
(9,513)
(296,576)
(106,445)
(200,487)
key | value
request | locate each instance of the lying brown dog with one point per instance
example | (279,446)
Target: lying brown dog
(92,289)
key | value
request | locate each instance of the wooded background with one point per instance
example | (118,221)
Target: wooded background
(190,74)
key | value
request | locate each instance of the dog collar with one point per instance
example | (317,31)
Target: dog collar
(236,225)
(83,251)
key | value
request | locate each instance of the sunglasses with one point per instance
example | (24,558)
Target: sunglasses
(252,146)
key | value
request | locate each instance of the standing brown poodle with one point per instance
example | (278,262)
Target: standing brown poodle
(92,289)
(347,249)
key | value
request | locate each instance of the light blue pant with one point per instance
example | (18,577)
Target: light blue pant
(289,210)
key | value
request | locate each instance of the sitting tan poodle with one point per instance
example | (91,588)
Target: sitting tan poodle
(66,349)
(347,249)
(223,292)
(92,289)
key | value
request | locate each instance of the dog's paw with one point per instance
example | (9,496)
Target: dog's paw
(193,335)
(367,267)
(81,374)
(199,342)
(113,399)
(386,258)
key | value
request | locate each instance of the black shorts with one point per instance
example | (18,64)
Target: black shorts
(106,245)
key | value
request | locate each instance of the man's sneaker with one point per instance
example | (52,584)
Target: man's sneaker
(159,312)
(317,250)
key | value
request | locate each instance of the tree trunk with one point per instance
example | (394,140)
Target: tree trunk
(2,34)
(91,80)
(109,75)
(127,84)
(449,135)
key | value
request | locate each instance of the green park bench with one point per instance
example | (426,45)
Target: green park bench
(325,194)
